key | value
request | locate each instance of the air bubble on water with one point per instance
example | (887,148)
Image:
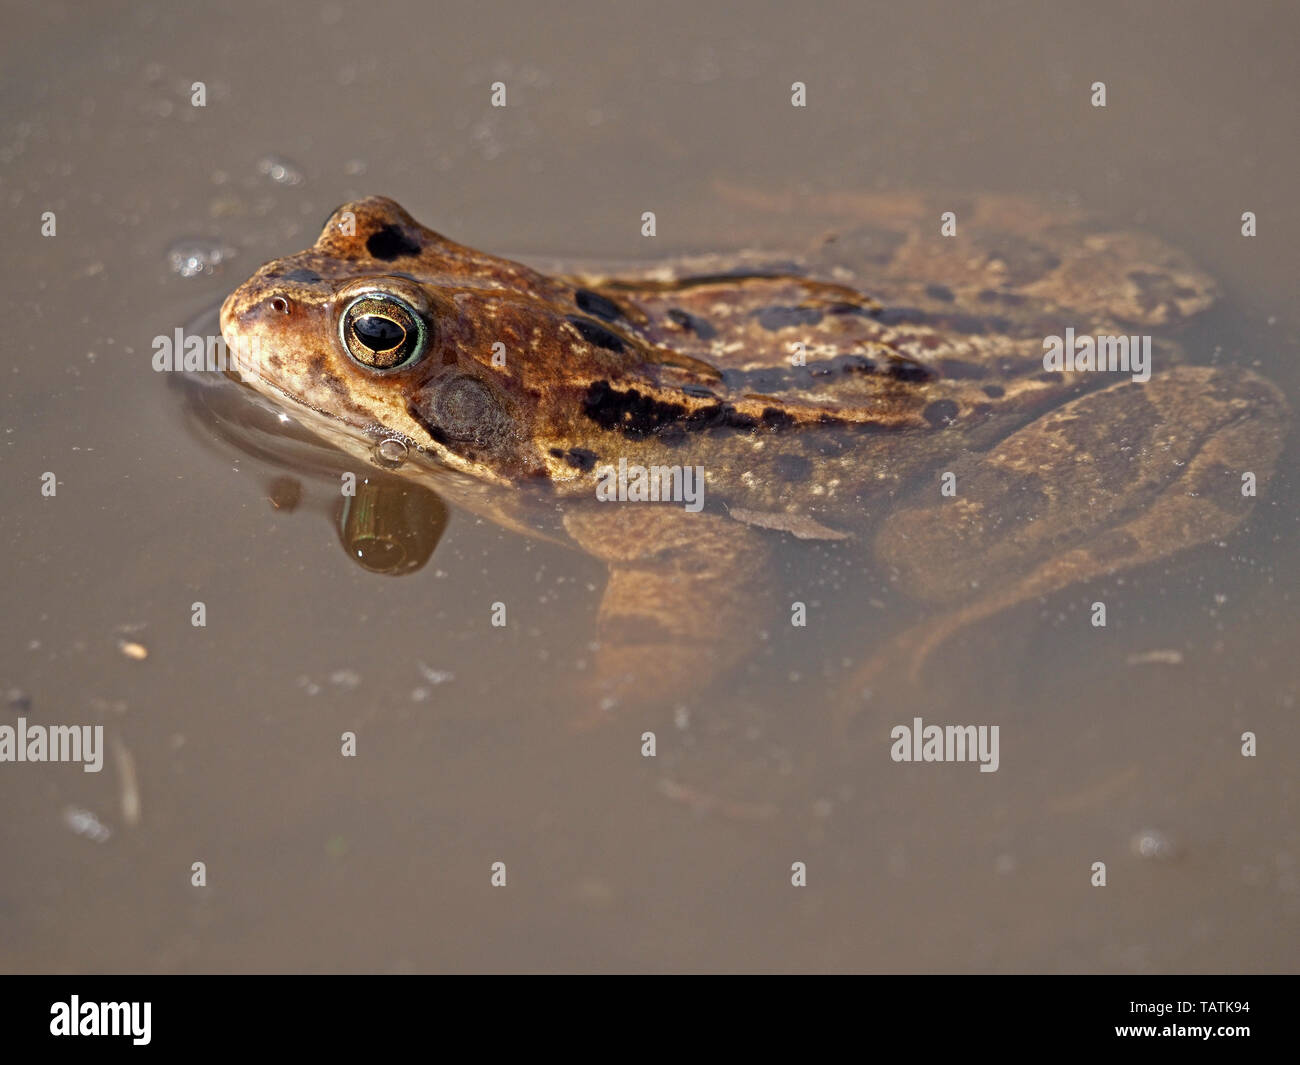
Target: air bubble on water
(198,256)
(280,170)
(392,451)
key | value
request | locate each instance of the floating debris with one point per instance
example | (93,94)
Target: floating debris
(436,676)
(84,823)
(1157,658)
(285,493)
(130,796)
(131,649)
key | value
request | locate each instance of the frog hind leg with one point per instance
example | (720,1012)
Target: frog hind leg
(1115,479)
(683,602)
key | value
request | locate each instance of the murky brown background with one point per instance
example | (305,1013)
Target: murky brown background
(381,863)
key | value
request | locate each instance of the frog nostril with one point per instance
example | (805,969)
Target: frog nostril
(280,305)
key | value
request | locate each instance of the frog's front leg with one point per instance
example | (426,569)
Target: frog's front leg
(1112,480)
(683,599)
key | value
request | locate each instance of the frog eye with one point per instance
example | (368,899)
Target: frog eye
(383,332)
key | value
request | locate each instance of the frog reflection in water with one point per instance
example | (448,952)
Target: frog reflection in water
(824,399)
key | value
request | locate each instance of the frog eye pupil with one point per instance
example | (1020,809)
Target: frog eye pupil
(378,333)
(383,332)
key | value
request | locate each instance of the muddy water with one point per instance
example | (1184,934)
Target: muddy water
(223,742)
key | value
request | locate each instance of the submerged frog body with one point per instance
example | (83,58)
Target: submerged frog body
(830,396)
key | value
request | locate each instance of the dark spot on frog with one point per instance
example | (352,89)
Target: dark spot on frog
(940,292)
(577,457)
(594,303)
(843,308)
(792,467)
(303,275)
(994,391)
(774,318)
(629,412)
(718,416)
(775,418)
(695,324)
(846,364)
(595,333)
(940,413)
(636,415)
(906,370)
(391,242)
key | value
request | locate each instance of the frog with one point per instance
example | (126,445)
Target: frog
(883,390)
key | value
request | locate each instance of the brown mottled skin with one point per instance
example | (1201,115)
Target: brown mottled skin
(923,354)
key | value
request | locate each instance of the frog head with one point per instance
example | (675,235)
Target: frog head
(396,332)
